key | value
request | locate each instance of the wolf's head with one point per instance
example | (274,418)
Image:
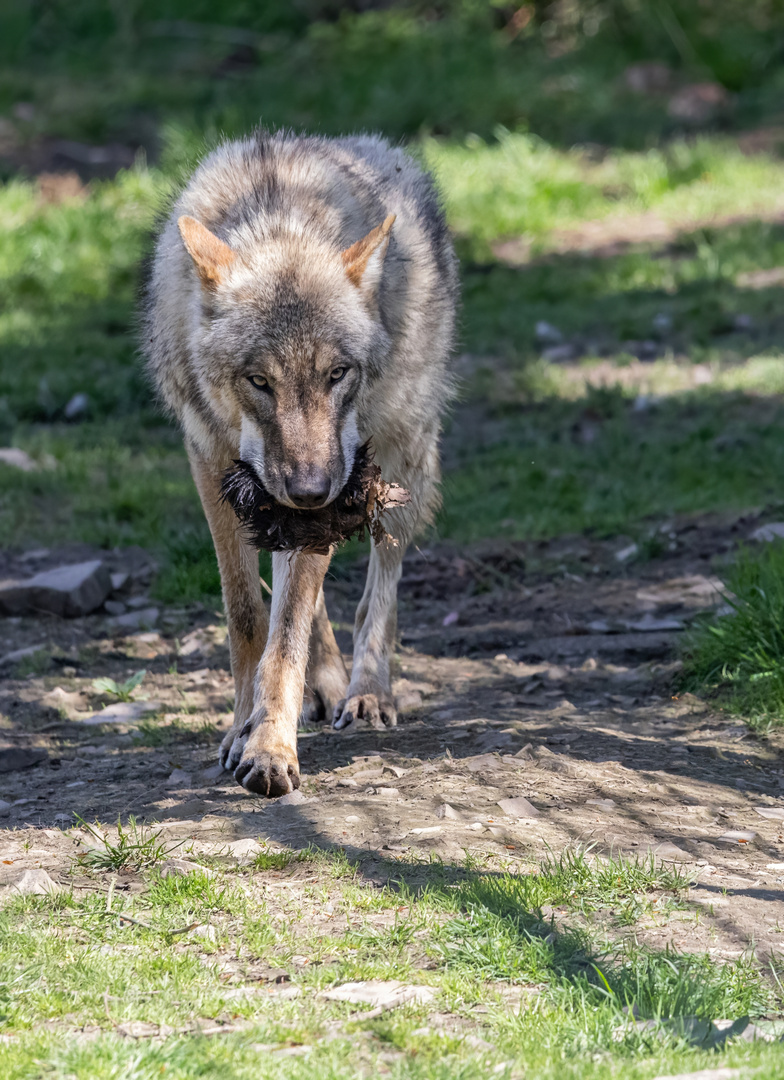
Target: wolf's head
(289,335)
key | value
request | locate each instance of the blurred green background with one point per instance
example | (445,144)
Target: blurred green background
(612,172)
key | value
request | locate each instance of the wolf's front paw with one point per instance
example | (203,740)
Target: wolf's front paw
(267,765)
(379,712)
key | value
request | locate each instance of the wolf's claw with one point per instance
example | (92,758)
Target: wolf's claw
(267,774)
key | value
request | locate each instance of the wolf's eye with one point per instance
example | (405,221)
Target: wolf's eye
(258,381)
(337,373)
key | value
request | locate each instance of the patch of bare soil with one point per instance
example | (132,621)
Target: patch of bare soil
(540,673)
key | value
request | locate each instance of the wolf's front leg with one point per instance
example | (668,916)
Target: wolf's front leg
(263,755)
(246,615)
(369,694)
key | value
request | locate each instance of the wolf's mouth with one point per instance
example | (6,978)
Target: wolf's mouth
(270,526)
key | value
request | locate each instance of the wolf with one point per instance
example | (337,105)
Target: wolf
(301,302)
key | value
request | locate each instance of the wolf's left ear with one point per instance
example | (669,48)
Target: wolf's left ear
(364,260)
(211,256)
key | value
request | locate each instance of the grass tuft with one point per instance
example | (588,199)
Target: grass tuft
(738,657)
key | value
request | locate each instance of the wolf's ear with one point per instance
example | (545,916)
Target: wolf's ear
(210,255)
(364,260)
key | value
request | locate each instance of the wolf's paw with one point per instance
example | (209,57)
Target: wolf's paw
(268,774)
(266,763)
(325,688)
(379,712)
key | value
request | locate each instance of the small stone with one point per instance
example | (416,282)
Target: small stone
(17,459)
(119,579)
(34,883)
(766,533)
(376,993)
(183,867)
(346,781)
(15,758)
(426,830)
(387,792)
(244,850)
(395,770)
(773,813)
(483,763)
(179,778)
(114,607)
(20,654)
(450,619)
(547,334)
(292,798)
(135,620)
(518,808)
(123,712)
(214,772)
(5,806)
(67,591)
(671,853)
(559,354)
(449,812)
(606,805)
(77,406)
(626,553)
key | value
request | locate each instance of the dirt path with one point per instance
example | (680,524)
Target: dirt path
(551,684)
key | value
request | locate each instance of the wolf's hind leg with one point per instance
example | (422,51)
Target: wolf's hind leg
(326,678)
(245,612)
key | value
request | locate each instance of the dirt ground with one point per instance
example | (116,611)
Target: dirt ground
(536,670)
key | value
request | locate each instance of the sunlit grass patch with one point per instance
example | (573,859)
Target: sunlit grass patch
(738,657)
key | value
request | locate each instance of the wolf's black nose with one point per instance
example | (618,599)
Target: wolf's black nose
(308,489)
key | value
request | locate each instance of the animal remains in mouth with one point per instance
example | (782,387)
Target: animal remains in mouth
(271,526)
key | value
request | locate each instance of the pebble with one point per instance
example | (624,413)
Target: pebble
(518,808)
(179,778)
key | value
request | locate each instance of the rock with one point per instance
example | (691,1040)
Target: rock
(671,853)
(483,763)
(123,712)
(773,813)
(448,812)
(33,883)
(17,459)
(15,758)
(214,772)
(693,590)
(136,620)
(292,798)
(773,531)
(563,737)
(114,607)
(518,808)
(387,792)
(381,995)
(183,867)
(245,850)
(119,579)
(547,334)
(450,619)
(559,354)
(77,406)
(648,624)
(5,806)
(68,591)
(606,805)
(20,654)
(626,553)
(179,778)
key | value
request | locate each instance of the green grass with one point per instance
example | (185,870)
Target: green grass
(97,961)
(738,658)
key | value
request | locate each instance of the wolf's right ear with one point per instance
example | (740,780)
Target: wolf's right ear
(210,255)
(364,260)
